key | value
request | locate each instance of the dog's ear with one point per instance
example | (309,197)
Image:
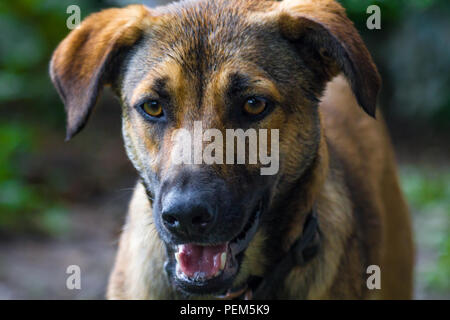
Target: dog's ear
(85,60)
(322,25)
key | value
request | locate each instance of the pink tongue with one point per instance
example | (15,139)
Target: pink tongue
(202,261)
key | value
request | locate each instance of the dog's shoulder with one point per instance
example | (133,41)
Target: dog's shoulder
(361,147)
(350,130)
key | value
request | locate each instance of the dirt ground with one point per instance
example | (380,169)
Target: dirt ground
(33,268)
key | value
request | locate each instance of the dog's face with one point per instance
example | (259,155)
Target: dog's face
(220,65)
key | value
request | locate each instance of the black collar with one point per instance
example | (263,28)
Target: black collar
(301,252)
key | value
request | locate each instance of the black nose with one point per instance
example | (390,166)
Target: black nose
(187,216)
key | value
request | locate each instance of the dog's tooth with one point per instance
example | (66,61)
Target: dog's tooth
(177,257)
(223,259)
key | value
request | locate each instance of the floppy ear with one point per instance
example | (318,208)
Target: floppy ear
(323,26)
(85,60)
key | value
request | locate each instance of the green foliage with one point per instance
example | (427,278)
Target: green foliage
(428,191)
(439,277)
(31,29)
(392,10)
(23,206)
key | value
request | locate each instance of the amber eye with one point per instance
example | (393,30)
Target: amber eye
(255,106)
(153,108)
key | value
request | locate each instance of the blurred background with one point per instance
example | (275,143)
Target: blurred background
(64,203)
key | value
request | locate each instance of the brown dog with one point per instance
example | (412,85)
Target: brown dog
(311,230)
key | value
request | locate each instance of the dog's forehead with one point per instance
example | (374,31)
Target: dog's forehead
(203,34)
(197,38)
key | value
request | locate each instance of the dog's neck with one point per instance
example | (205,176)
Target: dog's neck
(304,193)
(301,197)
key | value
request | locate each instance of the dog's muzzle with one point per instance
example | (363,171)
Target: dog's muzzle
(204,262)
(206,224)
(205,268)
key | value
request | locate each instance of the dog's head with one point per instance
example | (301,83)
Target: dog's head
(196,65)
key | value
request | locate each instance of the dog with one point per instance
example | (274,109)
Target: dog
(316,228)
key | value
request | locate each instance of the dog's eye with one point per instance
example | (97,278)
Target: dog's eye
(255,106)
(153,108)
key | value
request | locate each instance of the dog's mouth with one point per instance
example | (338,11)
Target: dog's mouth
(207,269)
